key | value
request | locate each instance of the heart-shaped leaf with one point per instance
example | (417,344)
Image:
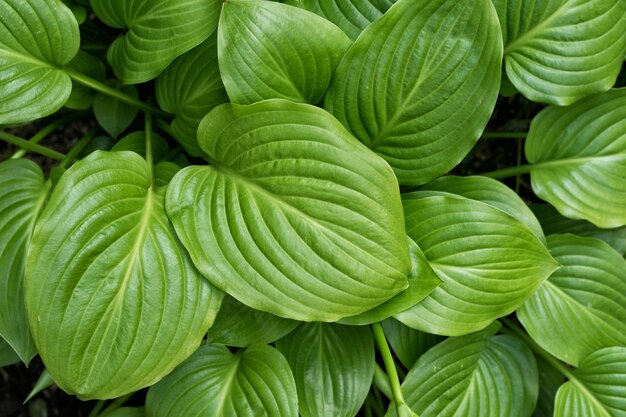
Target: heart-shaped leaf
(478,375)
(419,84)
(22,194)
(578,154)
(271,50)
(36,38)
(333,366)
(582,306)
(294,216)
(158,32)
(213,382)
(113,300)
(562,50)
(476,249)
(113,115)
(136,142)
(408,344)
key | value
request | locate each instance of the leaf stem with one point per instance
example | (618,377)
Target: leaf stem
(76,149)
(381,381)
(504,135)
(510,172)
(96,409)
(32,147)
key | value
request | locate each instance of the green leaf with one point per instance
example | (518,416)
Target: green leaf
(550,380)
(7,355)
(560,51)
(598,387)
(294,216)
(239,325)
(113,300)
(136,142)
(333,366)
(582,306)
(419,85)
(213,382)
(82,96)
(490,263)
(578,152)
(478,375)
(352,16)
(36,38)
(158,32)
(189,88)
(408,344)
(113,115)
(44,381)
(271,50)
(22,194)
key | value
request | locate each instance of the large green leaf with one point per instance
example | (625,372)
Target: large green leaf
(214,382)
(22,194)
(239,325)
(582,306)
(188,88)
(271,50)
(597,388)
(490,262)
(579,154)
(113,299)
(158,32)
(36,37)
(408,344)
(419,84)
(333,366)
(478,375)
(558,51)
(352,16)
(294,216)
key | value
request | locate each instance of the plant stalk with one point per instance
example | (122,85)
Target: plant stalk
(76,149)
(29,146)
(381,381)
(510,172)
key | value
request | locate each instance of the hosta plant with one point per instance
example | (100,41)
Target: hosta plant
(264,220)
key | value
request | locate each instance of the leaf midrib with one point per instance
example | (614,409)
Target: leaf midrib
(27,58)
(228,382)
(520,40)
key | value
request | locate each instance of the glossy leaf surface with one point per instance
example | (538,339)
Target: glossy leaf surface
(214,382)
(419,84)
(558,51)
(408,344)
(582,306)
(579,154)
(294,216)
(36,37)
(114,302)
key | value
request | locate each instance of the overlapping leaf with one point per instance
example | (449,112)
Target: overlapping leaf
(158,32)
(579,154)
(214,382)
(36,37)
(582,306)
(408,344)
(294,216)
(271,50)
(82,96)
(113,300)
(22,194)
(490,262)
(558,51)
(7,355)
(419,84)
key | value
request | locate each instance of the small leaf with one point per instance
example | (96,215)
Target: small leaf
(44,381)
(36,38)
(419,84)
(7,355)
(82,96)
(158,32)
(578,153)
(333,366)
(271,50)
(213,382)
(113,115)
(560,51)
(136,142)
(408,344)
(582,306)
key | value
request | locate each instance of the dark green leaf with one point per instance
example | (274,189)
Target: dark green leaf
(7,354)
(408,344)
(113,115)
(550,380)
(82,96)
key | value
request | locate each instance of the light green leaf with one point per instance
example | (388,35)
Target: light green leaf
(22,194)
(271,50)
(579,153)
(559,51)
(550,380)
(82,96)
(419,84)
(333,366)
(7,355)
(352,16)
(239,325)
(408,344)
(44,381)
(136,142)
(113,115)
(255,382)
(478,375)
(36,38)
(189,88)
(294,216)
(490,263)
(113,300)
(598,387)
(582,306)
(158,32)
